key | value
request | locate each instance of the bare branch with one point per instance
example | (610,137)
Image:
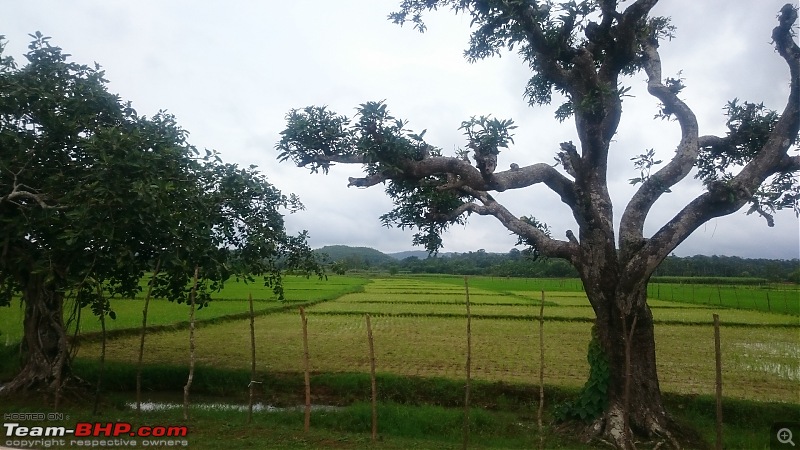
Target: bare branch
(490,207)
(20,191)
(371,180)
(570,159)
(461,173)
(632,223)
(711,141)
(725,198)
(790,164)
(783,38)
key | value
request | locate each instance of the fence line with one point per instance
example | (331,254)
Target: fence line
(468,368)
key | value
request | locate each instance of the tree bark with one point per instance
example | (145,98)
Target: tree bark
(44,345)
(647,416)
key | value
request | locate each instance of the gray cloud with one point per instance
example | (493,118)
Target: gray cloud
(231,70)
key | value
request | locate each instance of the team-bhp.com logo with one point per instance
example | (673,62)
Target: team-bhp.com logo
(93,434)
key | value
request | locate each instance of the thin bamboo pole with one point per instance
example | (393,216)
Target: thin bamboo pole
(372,380)
(468,367)
(541,374)
(306,371)
(718,358)
(188,385)
(141,339)
(252,359)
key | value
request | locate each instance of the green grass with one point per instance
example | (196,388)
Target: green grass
(230,302)
(400,426)
(501,284)
(755,358)
(419,331)
(408,413)
(777,298)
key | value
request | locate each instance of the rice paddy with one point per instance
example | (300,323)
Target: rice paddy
(419,327)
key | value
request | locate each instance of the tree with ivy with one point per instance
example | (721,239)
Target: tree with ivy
(93,196)
(582,50)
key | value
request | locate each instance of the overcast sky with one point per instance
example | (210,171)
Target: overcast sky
(231,70)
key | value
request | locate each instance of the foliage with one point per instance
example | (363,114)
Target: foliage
(93,195)
(591,400)
(355,257)
(583,51)
(90,188)
(644,163)
(749,128)
(316,138)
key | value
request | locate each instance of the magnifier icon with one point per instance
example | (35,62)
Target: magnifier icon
(785,436)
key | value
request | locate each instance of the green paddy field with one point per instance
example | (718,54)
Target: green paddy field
(419,327)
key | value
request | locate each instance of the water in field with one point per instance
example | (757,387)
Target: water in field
(258,407)
(781,359)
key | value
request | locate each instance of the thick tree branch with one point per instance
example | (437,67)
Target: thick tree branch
(632,223)
(622,45)
(466,175)
(490,207)
(790,164)
(711,141)
(544,54)
(727,197)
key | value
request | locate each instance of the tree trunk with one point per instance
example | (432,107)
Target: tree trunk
(646,413)
(44,345)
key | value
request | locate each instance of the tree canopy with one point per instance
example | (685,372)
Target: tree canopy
(583,51)
(93,195)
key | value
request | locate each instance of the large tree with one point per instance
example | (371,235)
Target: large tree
(582,50)
(93,195)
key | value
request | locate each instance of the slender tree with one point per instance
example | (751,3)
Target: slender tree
(581,50)
(89,189)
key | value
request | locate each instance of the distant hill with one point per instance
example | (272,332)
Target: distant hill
(361,255)
(339,252)
(421,254)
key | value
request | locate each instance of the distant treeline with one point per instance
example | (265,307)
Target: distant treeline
(742,281)
(516,263)
(730,266)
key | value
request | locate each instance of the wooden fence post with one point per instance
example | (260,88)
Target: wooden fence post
(468,369)
(306,370)
(541,373)
(718,358)
(372,380)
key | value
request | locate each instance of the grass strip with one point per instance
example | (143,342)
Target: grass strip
(530,317)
